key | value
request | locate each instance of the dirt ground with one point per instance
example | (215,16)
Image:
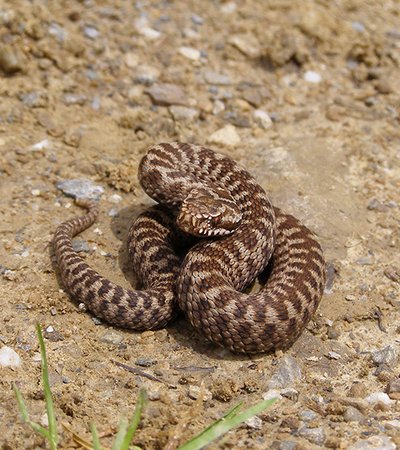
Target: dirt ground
(303,94)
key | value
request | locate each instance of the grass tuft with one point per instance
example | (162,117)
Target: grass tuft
(127,429)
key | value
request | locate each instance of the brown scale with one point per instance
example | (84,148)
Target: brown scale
(245,231)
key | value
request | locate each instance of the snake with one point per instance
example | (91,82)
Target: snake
(213,232)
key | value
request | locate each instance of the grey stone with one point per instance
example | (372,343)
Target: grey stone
(80,188)
(374,443)
(145,362)
(284,445)
(91,32)
(388,356)
(184,114)
(353,415)
(167,94)
(80,246)
(290,393)
(314,435)
(111,337)
(74,99)
(307,415)
(287,374)
(212,77)
(254,422)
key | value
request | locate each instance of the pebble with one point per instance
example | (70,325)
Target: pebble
(374,443)
(393,389)
(246,44)
(227,136)
(34,99)
(195,391)
(197,20)
(74,99)
(312,77)
(91,32)
(145,362)
(378,397)
(272,393)
(353,415)
(80,188)
(262,118)
(218,107)
(290,393)
(80,245)
(307,415)
(9,358)
(284,445)
(190,53)
(131,60)
(146,74)
(383,86)
(111,337)
(11,60)
(288,373)
(115,198)
(183,113)
(365,261)
(389,356)
(153,395)
(167,94)
(314,435)
(358,390)
(216,78)
(143,28)
(255,423)
(53,335)
(42,145)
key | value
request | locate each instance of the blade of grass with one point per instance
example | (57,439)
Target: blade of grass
(119,438)
(25,416)
(53,436)
(95,437)
(134,422)
(221,426)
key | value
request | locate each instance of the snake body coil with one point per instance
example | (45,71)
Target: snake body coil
(207,194)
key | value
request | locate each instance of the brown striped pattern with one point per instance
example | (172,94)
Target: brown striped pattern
(208,285)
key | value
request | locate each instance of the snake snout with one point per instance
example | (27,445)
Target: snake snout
(208,216)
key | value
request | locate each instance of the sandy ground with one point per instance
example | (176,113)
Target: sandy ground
(307,97)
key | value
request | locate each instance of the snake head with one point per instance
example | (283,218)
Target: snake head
(209,214)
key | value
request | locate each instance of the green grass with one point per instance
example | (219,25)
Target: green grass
(127,428)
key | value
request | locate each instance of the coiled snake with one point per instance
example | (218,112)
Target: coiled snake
(237,231)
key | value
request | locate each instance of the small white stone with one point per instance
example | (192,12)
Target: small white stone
(272,393)
(44,420)
(142,27)
(225,136)
(218,107)
(131,60)
(378,397)
(37,357)
(115,198)
(42,145)
(312,77)
(228,8)
(98,231)
(50,329)
(333,355)
(35,192)
(9,358)
(254,422)
(262,118)
(190,53)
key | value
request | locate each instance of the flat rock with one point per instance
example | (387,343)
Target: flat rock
(80,188)
(288,373)
(167,94)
